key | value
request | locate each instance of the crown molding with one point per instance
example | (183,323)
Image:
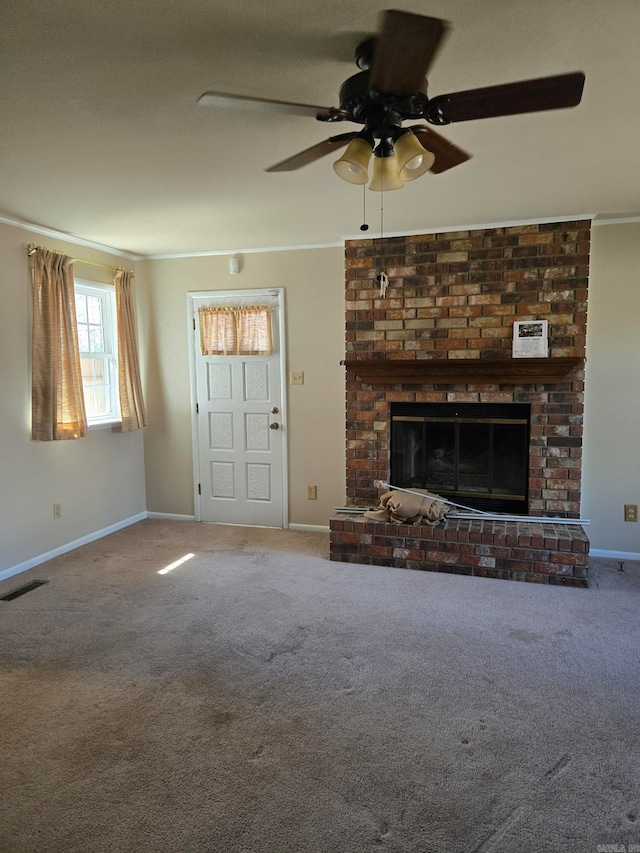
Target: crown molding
(618,220)
(69,238)
(246,251)
(475,226)
(252,250)
(340,244)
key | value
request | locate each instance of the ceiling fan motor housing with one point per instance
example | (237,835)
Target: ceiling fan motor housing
(378,110)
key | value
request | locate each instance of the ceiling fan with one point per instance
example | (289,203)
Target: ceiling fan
(390,88)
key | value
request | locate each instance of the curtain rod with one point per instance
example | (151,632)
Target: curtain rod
(31,248)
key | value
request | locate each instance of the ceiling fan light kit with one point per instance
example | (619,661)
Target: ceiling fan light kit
(396,161)
(391,88)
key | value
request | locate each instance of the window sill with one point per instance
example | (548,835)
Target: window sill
(112,425)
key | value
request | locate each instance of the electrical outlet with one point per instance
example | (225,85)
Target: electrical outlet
(297,377)
(631,512)
(312,493)
(57,510)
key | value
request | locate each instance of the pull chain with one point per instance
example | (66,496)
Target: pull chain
(382,278)
(364,226)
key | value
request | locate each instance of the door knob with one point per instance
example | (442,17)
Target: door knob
(273,426)
(275,410)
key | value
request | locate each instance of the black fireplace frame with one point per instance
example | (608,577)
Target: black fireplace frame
(458,414)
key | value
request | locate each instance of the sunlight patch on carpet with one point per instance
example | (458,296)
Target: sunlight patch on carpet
(175,565)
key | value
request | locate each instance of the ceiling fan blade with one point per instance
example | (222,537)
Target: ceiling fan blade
(446,153)
(303,158)
(527,96)
(265,105)
(404,50)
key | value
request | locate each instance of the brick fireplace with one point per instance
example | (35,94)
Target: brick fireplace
(442,334)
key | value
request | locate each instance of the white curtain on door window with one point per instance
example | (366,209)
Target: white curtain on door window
(236,331)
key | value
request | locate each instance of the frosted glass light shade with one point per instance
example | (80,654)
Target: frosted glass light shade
(413,159)
(354,163)
(385,174)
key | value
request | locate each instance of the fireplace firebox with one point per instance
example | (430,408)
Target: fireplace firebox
(476,454)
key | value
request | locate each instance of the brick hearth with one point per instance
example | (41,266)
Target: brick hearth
(456,296)
(549,553)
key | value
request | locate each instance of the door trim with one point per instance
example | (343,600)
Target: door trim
(194,298)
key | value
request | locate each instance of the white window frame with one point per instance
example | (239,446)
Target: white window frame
(106,294)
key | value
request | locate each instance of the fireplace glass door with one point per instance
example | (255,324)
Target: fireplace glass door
(476,454)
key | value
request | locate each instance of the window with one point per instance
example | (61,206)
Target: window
(95,319)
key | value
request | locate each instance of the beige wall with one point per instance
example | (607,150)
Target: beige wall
(99,480)
(611,473)
(313,280)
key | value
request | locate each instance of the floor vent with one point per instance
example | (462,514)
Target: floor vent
(22,590)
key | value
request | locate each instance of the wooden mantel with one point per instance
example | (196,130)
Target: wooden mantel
(450,371)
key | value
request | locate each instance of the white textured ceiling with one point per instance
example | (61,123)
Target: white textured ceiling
(101,138)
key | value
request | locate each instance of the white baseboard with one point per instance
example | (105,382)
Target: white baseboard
(170,516)
(614,555)
(71,546)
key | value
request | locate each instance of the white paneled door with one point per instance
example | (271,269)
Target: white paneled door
(239,430)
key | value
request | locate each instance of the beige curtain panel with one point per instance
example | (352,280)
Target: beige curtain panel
(236,331)
(57,400)
(129,385)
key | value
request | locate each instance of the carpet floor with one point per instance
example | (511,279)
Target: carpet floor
(259,698)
